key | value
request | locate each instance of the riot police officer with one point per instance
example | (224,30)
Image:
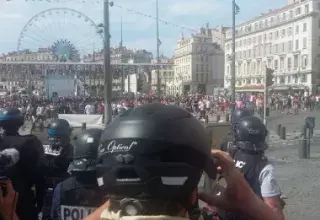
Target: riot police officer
(27,172)
(58,153)
(58,149)
(248,154)
(236,116)
(79,195)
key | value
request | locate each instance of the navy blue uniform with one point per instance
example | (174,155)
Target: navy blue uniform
(75,198)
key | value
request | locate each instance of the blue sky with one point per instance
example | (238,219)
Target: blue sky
(138,31)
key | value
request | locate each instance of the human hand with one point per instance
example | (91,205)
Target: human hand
(237,193)
(8,200)
(96,215)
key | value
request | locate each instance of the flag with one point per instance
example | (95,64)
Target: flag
(159,42)
(236,8)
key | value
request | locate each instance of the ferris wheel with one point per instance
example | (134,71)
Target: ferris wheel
(65,33)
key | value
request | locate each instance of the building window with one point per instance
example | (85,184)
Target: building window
(275,64)
(304,27)
(283,32)
(305,61)
(276,48)
(281,63)
(297,45)
(297,29)
(290,14)
(289,31)
(295,61)
(290,46)
(306,9)
(298,11)
(270,37)
(305,43)
(277,34)
(289,63)
(284,17)
(270,46)
(282,47)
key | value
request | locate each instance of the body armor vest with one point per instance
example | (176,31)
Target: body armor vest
(78,200)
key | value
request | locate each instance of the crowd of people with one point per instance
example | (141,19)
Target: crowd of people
(201,106)
(135,168)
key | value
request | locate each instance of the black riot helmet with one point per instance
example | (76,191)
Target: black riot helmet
(59,128)
(238,114)
(85,150)
(59,132)
(250,134)
(11,119)
(156,150)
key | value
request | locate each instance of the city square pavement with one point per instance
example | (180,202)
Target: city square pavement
(299,179)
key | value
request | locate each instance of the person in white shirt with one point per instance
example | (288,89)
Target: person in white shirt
(208,105)
(40,111)
(39,114)
(87,109)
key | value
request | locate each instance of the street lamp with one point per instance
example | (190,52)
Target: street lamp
(233,64)
(158,49)
(107,69)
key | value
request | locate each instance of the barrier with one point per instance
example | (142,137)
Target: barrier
(77,120)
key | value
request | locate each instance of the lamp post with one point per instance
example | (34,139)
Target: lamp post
(233,62)
(107,70)
(158,53)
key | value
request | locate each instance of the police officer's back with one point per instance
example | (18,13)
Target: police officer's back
(140,163)
(248,154)
(237,114)
(27,172)
(79,195)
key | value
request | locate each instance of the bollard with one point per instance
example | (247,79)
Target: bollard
(227,117)
(279,129)
(304,144)
(84,126)
(309,132)
(283,133)
(218,118)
